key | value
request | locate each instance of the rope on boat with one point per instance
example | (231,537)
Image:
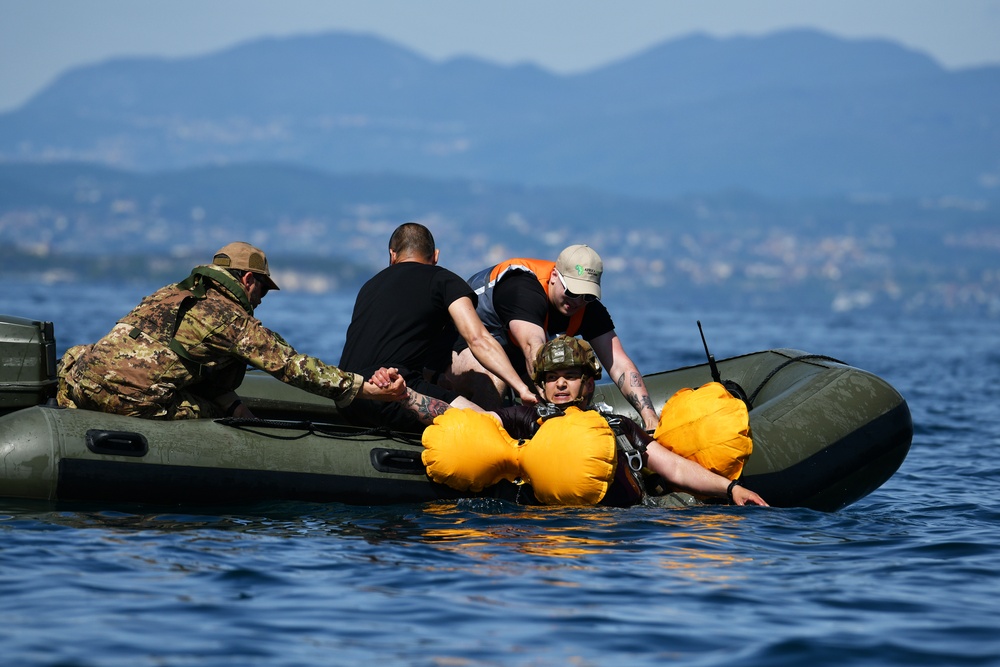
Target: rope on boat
(774,371)
(307,428)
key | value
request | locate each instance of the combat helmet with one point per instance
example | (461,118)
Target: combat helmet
(566,352)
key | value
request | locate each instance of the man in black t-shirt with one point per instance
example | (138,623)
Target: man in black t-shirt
(401,316)
(524,302)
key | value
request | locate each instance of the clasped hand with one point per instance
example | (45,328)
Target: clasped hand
(385,384)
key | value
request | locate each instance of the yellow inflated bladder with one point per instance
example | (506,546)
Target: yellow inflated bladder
(469,450)
(570,460)
(708,425)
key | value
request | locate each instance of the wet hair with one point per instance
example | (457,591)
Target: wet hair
(412,237)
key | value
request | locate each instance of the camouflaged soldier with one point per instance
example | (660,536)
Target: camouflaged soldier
(182,352)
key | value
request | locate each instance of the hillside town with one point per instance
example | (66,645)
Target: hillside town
(839,256)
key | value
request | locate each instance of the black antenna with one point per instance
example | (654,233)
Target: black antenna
(731,385)
(711,360)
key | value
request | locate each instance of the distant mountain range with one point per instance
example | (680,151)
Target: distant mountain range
(793,114)
(795,168)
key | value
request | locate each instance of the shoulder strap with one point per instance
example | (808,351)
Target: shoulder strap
(546,410)
(195,283)
(196,286)
(632,453)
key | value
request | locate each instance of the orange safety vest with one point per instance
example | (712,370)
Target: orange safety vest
(484,282)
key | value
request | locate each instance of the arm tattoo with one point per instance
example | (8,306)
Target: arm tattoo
(425,407)
(639,400)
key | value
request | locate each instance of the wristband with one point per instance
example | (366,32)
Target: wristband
(729,490)
(231,410)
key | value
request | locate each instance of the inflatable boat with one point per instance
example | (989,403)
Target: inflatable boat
(825,434)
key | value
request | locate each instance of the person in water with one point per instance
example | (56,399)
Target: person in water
(565,370)
(184,350)
(402,316)
(524,302)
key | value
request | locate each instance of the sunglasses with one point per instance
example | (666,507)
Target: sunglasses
(264,287)
(589,298)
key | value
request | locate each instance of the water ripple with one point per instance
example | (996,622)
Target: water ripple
(904,577)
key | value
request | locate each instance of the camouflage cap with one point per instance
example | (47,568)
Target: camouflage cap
(244,257)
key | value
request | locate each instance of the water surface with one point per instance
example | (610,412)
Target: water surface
(906,576)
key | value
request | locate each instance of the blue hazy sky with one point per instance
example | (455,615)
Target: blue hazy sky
(39,39)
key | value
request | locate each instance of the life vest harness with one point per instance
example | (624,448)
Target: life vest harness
(196,285)
(568,461)
(484,282)
(573,460)
(632,453)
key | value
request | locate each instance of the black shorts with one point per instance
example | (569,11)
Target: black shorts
(514,355)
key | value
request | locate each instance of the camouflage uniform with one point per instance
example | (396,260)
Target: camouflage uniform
(134,371)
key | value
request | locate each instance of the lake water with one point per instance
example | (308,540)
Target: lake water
(906,576)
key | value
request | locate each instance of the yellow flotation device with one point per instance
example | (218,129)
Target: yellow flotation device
(469,450)
(570,460)
(708,425)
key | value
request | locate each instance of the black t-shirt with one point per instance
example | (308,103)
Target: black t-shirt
(400,316)
(519,296)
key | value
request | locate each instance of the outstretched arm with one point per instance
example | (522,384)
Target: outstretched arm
(486,349)
(624,373)
(693,477)
(426,408)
